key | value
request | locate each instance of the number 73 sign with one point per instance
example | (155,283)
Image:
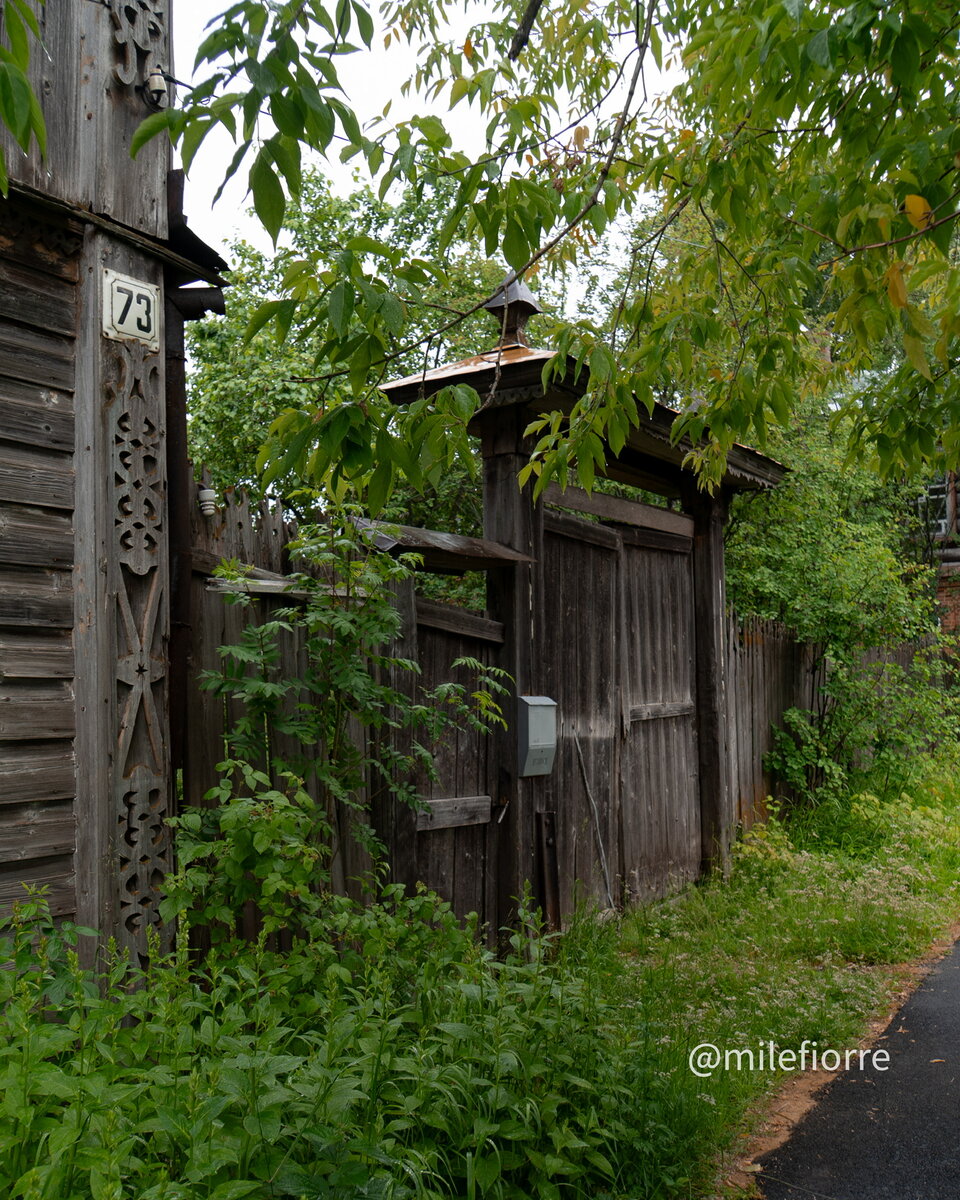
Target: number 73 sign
(131,309)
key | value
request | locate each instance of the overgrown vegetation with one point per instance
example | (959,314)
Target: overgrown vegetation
(388,1055)
(840,558)
(312,751)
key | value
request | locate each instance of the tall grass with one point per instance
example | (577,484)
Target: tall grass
(390,1056)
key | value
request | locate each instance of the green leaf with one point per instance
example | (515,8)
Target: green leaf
(905,59)
(17,37)
(340,307)
(915,352)
(148,129)
(818,49)
(268,198)
(378,490)
(515,248)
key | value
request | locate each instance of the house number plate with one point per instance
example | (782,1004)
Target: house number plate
(131,309)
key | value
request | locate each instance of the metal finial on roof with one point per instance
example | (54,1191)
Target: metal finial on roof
(519,302)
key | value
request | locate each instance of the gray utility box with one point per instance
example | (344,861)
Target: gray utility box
(537,734)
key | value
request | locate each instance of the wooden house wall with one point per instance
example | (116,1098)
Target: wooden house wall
(39,315)
(94,58)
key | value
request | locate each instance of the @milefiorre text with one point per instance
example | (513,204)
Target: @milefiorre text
(706,1059)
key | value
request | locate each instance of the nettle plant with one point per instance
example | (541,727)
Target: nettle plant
(313,749)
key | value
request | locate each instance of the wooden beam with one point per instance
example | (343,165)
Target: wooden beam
(36,598)
(452,813)
(29,476)
(654,539)
(458,620)
(625,512)
(34,655)
(511,518)
(55,874)
(35,713)
(255,585)
(658,712)
(35,537)
(32,831)
(716,820)
(121,233)
(25,418)
(204,562)
(37,771)
(581,530)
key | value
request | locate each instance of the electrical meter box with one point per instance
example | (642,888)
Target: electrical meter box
(537,734)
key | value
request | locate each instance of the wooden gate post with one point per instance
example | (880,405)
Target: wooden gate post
(716,826)
(511,518)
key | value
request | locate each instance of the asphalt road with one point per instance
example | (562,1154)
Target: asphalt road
(886,1135)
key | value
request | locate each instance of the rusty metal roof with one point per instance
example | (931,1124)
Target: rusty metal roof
(468,370)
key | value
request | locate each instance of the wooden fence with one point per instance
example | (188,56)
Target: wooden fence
(618,818)
(768,672)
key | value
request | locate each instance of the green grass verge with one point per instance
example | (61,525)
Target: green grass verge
(388,1056)
(797,945)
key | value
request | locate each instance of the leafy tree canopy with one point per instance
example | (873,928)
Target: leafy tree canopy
(833,552)
(239,385)
(818,145)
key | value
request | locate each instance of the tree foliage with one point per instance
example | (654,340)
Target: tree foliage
(239,384)
(818,145)
(833,552)
(19,109)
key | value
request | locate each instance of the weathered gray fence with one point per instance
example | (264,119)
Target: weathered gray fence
(768,672)
(618,819)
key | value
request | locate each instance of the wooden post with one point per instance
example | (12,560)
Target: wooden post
(181,497)
(716,823)
(510,517)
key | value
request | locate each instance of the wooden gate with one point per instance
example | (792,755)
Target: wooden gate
(617,653)
(659,776)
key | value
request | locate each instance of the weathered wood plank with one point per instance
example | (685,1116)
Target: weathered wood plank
(34,356)
(34,712)
(29,476)
(35,415)
(613,508)
(656,712)
(717,827)
(34,298)
(35,655)
(36,771)
(54,874)
(204,562)
(29,235)
(655,539)
(36,598)
(454,812)
(580,530)
(35,536)
(458,620)
(34,831)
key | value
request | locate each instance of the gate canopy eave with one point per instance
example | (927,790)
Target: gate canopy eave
(512,377)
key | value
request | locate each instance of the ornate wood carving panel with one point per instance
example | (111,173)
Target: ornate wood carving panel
(133,388)
(140,37)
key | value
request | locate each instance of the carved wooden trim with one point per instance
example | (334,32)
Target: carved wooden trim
(133,386)
(140,36)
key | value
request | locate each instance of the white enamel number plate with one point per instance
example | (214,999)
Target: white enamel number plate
(131,309)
